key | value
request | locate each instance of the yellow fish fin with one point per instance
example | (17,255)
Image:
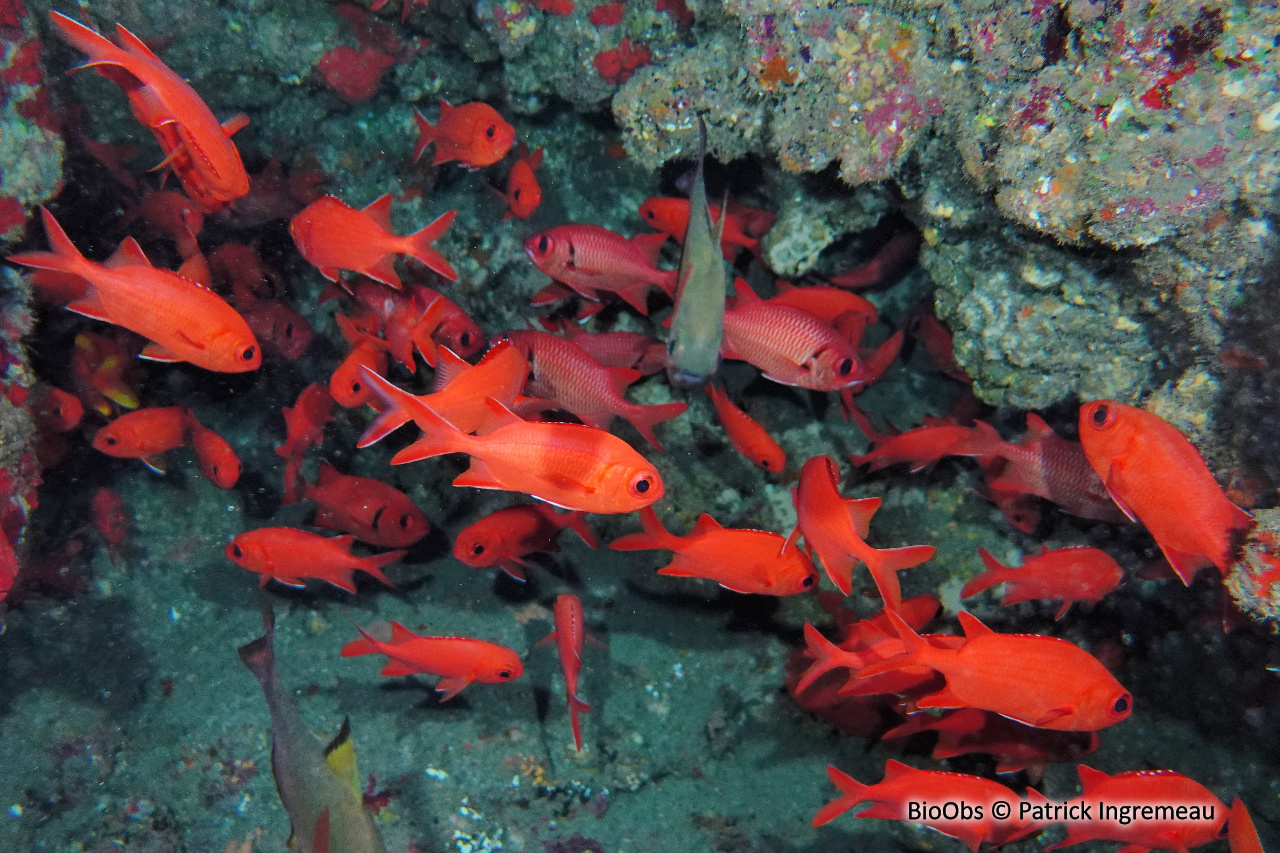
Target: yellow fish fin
(340,755)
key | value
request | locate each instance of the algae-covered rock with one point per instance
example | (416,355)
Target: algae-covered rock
(807,225)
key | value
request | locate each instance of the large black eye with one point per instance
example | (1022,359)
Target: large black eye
(642,486)
(248,354)
(57,411)
(1101,415)
(288,330)
(543,244)
(1122,704)
(356,387)
(465,339)
(516,194)
(490,131)
(808,581)
(236,552)
(405,521)
(477,549)
(845,367)
(766,464)
(506,673)
(111,441)
(649,214)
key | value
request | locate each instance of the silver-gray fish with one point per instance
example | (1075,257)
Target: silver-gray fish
(697,328)
(319,786)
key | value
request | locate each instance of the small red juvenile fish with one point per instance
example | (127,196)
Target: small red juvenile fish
(145,434)
(170,214)
(751,561)
(923,446)
(373,511)
(570,465)
(745,434)
(1041,681)
(503,538)
(1159,478)
(291,557)
(333,237)
(454,329)
(183,320)
(827,303)
(903,784)
(835,528)
(217,461)
(789,345)
(109,519)
(894,259)
(523,194)
(570,635)
(1067,575)
(594,260)
(457,660)
(561,371)
(474,134)
(1143,788)
(346,385)
(58,411)
(304,428)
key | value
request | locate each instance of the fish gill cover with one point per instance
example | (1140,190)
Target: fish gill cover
(1011,267)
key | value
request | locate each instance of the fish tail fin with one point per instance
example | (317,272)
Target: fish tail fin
(996,573)
(368,644)
(373,565)
(644,418)
(391,418)
(654,535)
(63,255)
(444,436)
(885,565)
(577,522)
(418,245)
(577,706)
(259,655)
(426,134)
(916,649)
(825,658)
(95,45)
(852,792)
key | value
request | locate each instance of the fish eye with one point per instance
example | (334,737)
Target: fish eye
(1122,704)
(288,330)
(544,244)
(808,581)
(111,441)
(1103,416)
(465,339)
(641,484)
(490,131)
(516,194)
(505,674)
(236,551)
(845,367)
(249,353)
(649,214)
(766,464)
(356,387)
(405,521)
(477,549)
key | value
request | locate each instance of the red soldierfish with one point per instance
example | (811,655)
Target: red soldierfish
(195,145)
(183,320)
(923,446)
(457,660)
(594,260)
(109,519)
(561,371)
(635,350)
(291,557)
(145,434)
(789,345)
(1159,478)
(902,785)
(1067,575)
(503,538)
(835,528)
(750,561)
(304,427)
(333,237)
(569,465)
(346,386)
(570,635)
(217,460)
(523,194)
(745,434)
(1041,681)
(671,217)
(473,134)
(373,511)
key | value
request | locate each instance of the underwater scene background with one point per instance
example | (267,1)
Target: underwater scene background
(1009,267)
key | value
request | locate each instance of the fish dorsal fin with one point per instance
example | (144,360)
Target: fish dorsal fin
(327,474)
(535,159)
(791,539)
(861,511)
(127,254)
(401,634)
(650,245)
(894,769)
(498,416)
(744,294)
(1037,428)
(705,524)
(379,210)
(196,269)
(449,368)
(340,756)
(133,44)
(240,121)
(971,626)
(344,542)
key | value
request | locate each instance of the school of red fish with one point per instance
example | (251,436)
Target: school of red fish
(1026,700)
